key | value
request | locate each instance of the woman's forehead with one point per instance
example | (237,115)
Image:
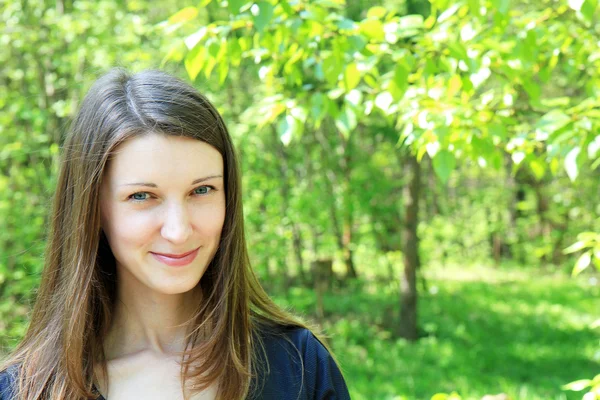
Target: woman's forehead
(163,158)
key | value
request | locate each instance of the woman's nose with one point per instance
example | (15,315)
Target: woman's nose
(177,226)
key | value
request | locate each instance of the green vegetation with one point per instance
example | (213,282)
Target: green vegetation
(485,331)
(387,147)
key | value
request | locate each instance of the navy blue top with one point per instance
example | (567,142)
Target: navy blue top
(322,377)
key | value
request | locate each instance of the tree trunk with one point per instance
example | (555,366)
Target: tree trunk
(343,229)
(433,204)
(347,248)
(297,243)
(410,248)
(545,225)
(323,273)
(511,185)
(285,191)
(343,235)
(561,230)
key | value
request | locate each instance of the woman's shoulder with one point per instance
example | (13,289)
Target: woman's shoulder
(7,383)
(299,366)
(304,342)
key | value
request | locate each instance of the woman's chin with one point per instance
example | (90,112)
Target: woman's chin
(173,288)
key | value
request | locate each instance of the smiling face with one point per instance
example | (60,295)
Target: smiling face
(161,198)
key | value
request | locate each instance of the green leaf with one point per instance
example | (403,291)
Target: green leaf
(271,112)
(533,90)
(235,5)
(411,22)
(588,9)
(211,62)
(538,168)
(373,29)
(458,51)
(286,129)
(346,121)
(331,69)
(351,77)
(454,85)
(582,263)
(496,160)
(376,12)
(345,24)
(372,82)
(192,40)
(286,7)
(183,15)
(213,47)
(467,85)
(194,61)
(571,163)
(589,237)
(577,385)
(442,133)
(401,76)
(553,121)
(223,70)
(396,92)
(295,57)
(503,6)
(265,13)
(318,107)
(443,164)
(497,130)
(176,53)
(357,42)
(474,7)
(234,52)
(482,147)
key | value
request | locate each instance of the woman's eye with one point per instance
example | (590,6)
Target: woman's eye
(139,196)
(203,190)
(143,196)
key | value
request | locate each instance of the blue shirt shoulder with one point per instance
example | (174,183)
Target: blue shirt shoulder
(299,367)
(7,382)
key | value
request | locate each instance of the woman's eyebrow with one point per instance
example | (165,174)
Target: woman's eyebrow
(154,185)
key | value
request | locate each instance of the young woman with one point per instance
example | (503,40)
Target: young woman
(147,291)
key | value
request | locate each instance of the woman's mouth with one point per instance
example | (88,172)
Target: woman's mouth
(176,260)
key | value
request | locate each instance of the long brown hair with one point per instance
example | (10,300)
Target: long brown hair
(73,311)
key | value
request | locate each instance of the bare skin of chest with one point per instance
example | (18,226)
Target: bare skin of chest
(149,377)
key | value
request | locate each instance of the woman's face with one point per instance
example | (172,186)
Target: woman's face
(161,198)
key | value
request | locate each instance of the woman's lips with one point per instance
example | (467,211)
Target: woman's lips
(176,261)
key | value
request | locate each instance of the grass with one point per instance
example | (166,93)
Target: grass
(485,331)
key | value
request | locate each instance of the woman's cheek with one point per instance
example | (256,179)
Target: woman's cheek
(213,218)
(136,226)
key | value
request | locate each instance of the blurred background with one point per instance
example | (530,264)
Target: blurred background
(420,177)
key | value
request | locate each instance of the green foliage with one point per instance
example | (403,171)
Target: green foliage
(488,68)
(593,385)
(589,243)
(485,330)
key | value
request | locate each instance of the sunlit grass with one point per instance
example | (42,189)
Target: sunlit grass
(485,331)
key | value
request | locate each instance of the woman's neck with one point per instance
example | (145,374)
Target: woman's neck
(144,320)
